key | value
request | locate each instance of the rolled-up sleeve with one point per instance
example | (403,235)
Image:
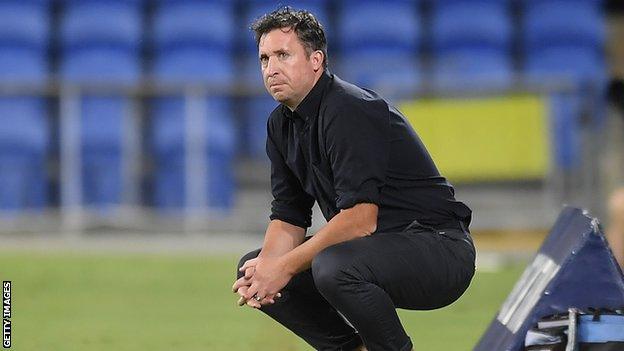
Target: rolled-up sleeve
(290,203)
(357,143)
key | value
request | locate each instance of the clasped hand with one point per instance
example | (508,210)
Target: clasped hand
(264,278)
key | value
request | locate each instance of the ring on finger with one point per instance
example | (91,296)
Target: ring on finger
(257,298)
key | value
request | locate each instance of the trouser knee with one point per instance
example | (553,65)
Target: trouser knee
(245,258)
(330,270)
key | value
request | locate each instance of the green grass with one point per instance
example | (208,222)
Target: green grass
(94,302)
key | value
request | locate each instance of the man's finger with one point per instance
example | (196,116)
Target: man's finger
(251,292)
(236,284)
(270,299)
(261,294)
(249,272)
(267,300)
(241,292)
(248,263)
(239,283)
(253,303)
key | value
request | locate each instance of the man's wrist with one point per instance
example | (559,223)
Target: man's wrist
(288,264)
(267,254)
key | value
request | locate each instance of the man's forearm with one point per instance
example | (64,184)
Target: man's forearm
(358,221)
(280,238)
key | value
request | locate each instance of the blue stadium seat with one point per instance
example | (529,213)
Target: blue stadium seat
(196,22)
(101,45)
(168,147)
(22,64)
(565,120)
(470,69)
(24,140)
(564,43)
(102,132)
(564,40)
(194,64)
(567,64)
(471,23)
(367,36)
(191,49)
(563,22)
(101,21)
(194,41)
(396,72)
(25,21)
(24,41)
(471,43)
(95,63)
(101,41)
(256,114)
(383,24)
(103,125)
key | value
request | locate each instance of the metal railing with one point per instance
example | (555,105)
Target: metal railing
(584,186)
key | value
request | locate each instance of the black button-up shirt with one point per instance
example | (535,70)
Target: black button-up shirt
(345,145)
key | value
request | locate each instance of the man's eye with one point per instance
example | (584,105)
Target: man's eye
(283,55)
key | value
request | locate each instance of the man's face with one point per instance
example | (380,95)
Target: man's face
(287,70)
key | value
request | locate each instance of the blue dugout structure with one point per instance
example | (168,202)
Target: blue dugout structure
(573,268)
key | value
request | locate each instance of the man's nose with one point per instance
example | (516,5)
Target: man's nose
(272,66)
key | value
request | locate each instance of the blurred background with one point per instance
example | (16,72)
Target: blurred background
(139,126)
(131,115)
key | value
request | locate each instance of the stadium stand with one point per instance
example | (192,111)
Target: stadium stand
(169,152)
(24,135)
(368,36)
(24,41)
(563,44)
(254,131)
(23,151)
(190,49)
(100,42)
(202,47)
(471,44)
(564,40)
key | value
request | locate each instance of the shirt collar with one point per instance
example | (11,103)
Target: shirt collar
(310,105)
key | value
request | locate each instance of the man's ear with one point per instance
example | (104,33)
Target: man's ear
(317,57)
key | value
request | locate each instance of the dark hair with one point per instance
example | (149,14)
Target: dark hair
(308,29)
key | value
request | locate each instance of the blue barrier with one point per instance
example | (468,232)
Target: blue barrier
(573,268)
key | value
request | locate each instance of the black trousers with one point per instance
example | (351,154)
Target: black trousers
(364,280)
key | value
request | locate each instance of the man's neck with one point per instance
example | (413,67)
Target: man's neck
(292,107)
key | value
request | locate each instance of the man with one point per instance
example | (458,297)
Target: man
(395,236)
